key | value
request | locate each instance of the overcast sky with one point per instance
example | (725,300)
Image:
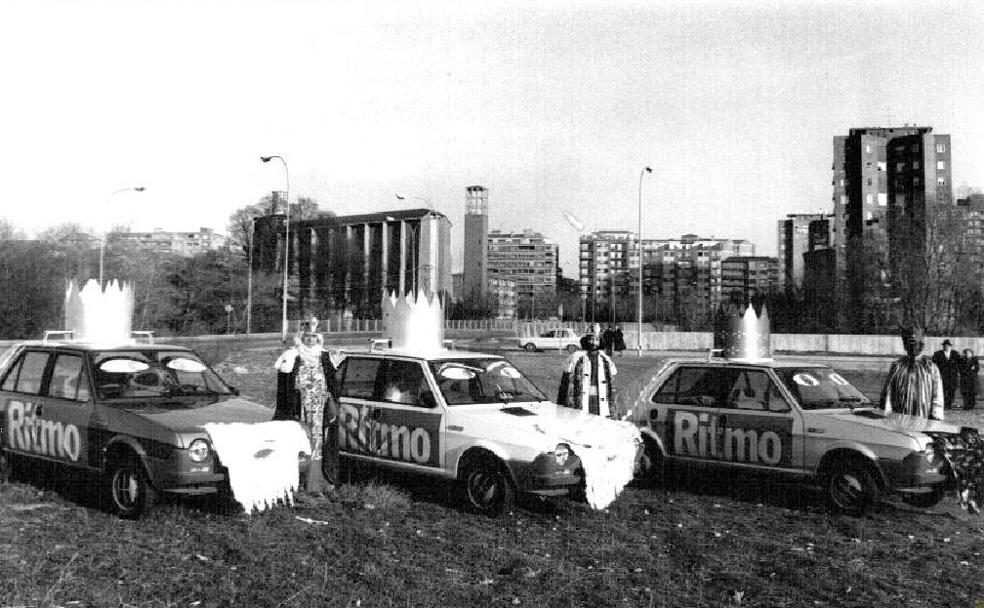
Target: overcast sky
(552,106)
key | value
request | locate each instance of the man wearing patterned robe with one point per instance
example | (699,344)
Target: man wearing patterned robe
(586,383)
(913,386)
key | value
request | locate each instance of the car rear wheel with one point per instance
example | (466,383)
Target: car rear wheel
(128,489)
(529,347)
(487,487)
(850,487)
(923,500)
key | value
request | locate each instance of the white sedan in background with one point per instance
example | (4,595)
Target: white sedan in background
(562,338)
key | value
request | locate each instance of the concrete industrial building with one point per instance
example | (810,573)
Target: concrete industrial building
(340,265)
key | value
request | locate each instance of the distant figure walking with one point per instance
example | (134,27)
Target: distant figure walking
(608,340)
(969,367)
(913,385)
(618,340)
(948,360)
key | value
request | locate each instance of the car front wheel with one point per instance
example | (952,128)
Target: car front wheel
(850,488)
(129,491)
(530,347)
(488,488)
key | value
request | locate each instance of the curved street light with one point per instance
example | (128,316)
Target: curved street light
(283,317)
(426,201)
(577,224)
(102,243)
(642,174)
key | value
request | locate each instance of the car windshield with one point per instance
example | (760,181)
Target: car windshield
(132,374)
(468,381)
(821,388)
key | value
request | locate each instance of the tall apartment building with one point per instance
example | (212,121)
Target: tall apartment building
(529,259)
(743,277)
(342,264)
(799,234)
(475,260)
(886,183)
(177,243)
(674,270)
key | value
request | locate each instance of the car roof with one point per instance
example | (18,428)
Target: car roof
(99,346)
(430,355)
(763,363)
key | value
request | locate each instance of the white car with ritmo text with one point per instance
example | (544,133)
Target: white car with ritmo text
(790,419)
(476,419)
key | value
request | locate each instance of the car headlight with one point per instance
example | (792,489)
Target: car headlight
(561,453)
(199,450)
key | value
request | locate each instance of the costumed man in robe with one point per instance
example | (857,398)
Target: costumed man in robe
(306,392)
(586,383)
(913,385)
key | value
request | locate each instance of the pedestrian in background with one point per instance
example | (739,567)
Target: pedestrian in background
(913,385)
(948,361)
(607,343)
(306,392)
(969,367)
(618,340)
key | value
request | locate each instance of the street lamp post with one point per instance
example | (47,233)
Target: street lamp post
(283,317)
(249,278)
(426,201)
(642,173)
(102,244)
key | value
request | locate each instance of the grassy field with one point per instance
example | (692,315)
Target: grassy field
(380,541)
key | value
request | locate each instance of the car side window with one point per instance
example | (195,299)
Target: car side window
(405,383)
(754,390)
(27,374)
(360,378)
(68,379)
(700,386)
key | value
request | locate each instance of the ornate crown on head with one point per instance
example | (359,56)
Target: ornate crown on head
(414,322)
(743,336)
(94,314)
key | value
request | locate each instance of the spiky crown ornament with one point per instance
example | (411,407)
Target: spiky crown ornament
(743,336)
(414,322)
(94,314)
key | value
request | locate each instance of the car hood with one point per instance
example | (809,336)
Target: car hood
(193,416)
(548,422)
(911,426)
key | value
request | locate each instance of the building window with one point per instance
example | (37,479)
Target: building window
(941,165)
(882,199)
(868,199)
(940,181)
(915,164)
(900,167)
(915,181)
(940,148)
(867,148)
(882,165)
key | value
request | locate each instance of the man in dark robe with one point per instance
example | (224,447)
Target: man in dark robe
(948,360)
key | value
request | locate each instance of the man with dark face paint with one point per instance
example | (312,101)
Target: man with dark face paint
(586,383)
(913,385)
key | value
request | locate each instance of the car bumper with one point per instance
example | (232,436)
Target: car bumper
(182,476)
(912,472)
(546,477)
